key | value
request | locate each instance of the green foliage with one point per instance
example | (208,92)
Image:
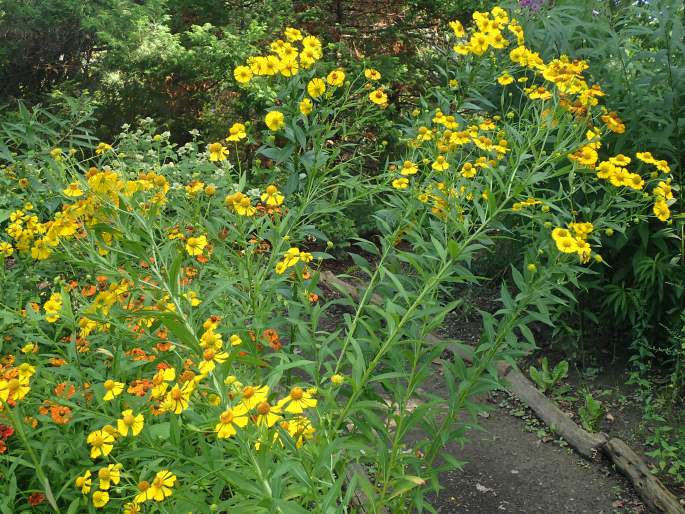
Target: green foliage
(548,379)
(591,412)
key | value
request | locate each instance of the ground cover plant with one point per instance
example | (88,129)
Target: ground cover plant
(167,345)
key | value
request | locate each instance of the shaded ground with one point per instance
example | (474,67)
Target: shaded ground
(512,470)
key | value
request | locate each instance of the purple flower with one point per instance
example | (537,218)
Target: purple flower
(533,5)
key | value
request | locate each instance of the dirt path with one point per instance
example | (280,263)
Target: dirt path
(510,469)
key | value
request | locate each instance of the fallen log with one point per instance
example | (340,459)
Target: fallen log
(650,488)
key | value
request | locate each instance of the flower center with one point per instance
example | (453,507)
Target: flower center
(263,408)
(109,384)
(296,393)
(226,417)
(144,485)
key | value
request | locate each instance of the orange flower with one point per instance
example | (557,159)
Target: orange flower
(65,390)
(57,362)
(36,499)
(60,414)
(139,387)
(313,297)
(271,337)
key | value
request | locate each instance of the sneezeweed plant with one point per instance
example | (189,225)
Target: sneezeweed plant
(180,355)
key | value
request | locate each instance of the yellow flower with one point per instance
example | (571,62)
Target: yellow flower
(236,132)
(100,499)
(661,210)
(267,415)
(409,168)
(251,396)
(400,183)
(109,475)
(274,120)
(73,190)
(292,34)
(53,307)
(242,74)
(210,358)
(229,419)
(646,157)
(101,443)
(316,87)
(297,401)
(6,248)
(112,389)
(620,160)
(159,489)
(56,153)
(130,422)
(131,508)
(379,97)
(440,164)
(457,28)
(306,106)
(217,152)
(372,74)
(84,482)
(567,245)
(196,245)
(291,257)
(336,78)
(337,380)
(272,197)
(102,148)
(505,79)
(191,296)
(178,399)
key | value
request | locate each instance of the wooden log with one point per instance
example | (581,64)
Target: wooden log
(587,444)
(650,488)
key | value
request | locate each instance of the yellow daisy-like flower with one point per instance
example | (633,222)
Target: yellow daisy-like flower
(440,163)
(235,340)
(178,399)
(84,482)
(274,120)
(272,197)
(236,132)
(196,245)
(111,475)
(567,245)
(372,74)
(6,249)
(101,443)
(336,78)
(132,508)
(409,168)
(229,419)
(505,79)
(400,183)
(73,190)
(297,401)
(242,74)
(251,396)
(217,152)
(306,106)
(661,210)
(159,489)
(316,87)
(378,97)
(100,499)
(112,389)
(130,423)
(267,415)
